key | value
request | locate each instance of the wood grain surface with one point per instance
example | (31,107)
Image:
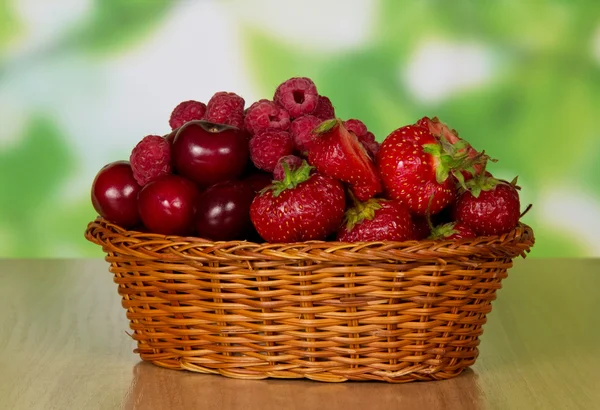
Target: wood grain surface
(63,345)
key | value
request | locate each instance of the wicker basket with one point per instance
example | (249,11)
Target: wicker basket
(326,311)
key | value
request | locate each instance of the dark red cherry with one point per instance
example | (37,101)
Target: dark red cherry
(208,153)
(223,211)
(114,194)
(167,205)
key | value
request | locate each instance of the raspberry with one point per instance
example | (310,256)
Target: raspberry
(367,137)
(301,131)
(324,110)
(226,108)
(268,146)
(372,147)
(356,126)
(368,141)
(298,96)
(187,111)
(293,162)
(265,114)
(150,159)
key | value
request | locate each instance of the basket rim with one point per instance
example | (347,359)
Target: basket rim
(183,238)
(113,237)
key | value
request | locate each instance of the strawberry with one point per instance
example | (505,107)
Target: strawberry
(452,230)
(420,169)
(438,129)
(337,153)
(441,131)
(303,206)
(377,220)
(489,206)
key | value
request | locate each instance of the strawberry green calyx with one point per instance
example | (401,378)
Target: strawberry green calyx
(453,158)
(326,126)
(443,231)
(482,182)
(292,178)
(360,211)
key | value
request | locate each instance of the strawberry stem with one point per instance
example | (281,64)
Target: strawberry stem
(525,211)
(428,214)
(355,200)
(292,178)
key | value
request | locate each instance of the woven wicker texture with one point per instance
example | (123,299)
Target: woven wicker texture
(327,311)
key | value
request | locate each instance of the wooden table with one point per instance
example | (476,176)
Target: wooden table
(63,346)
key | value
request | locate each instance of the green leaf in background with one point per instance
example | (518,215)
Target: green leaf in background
(116,24)
(63,235)
(9,25)
(41,217)
(271,61)
(31,174)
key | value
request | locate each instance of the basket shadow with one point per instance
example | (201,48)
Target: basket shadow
(154,387)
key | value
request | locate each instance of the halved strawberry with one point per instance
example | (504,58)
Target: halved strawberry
(421,170)
(337,153)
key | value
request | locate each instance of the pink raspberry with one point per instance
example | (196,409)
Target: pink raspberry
(372,147)
(187,111)
(150,159)
(265,114)
(226,108)
(324,110)
(266,147)
(298,96)
(368,141)
(366,137)
(301,131)
(356,126)
(292,162)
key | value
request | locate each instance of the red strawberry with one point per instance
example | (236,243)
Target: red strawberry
(419,170)
(440,130)
(452,230)
(377,220)
(489,206)
(304,206)
(337,153)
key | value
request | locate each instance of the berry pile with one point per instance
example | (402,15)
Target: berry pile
(288,170)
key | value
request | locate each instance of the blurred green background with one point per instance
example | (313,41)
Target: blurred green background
(81,82)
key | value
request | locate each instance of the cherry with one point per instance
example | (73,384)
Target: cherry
(114,194)
(208,153)
(167,205)
(223,211)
